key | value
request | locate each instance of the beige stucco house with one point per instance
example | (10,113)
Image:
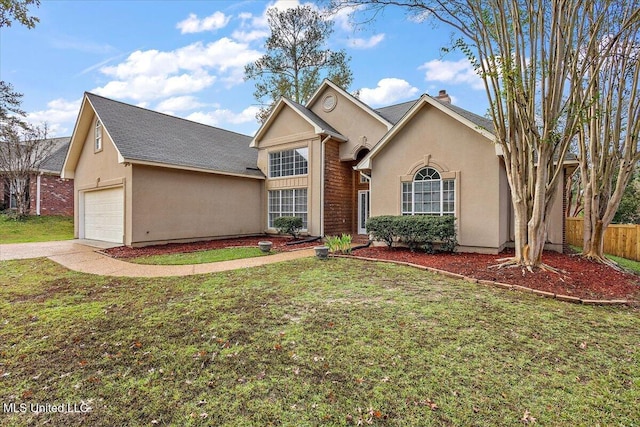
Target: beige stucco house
(420,157)
(143,177)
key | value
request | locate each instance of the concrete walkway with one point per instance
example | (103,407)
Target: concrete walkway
(82,256)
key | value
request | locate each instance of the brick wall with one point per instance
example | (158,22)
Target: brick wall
(339,200)
(56,195)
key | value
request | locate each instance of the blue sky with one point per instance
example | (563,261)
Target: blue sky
(187,58)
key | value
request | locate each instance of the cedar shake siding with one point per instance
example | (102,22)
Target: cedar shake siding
(339,200)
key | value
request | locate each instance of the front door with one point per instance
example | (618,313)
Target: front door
(363,210)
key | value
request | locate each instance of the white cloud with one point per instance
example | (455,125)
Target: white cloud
(178,103)
(249,36)
(60,116)
(452,72)
(195,25)
(154,74)
(359,43)
(142,88)
(217,117)
(388,91)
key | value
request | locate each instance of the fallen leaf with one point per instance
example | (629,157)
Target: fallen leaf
(527,418)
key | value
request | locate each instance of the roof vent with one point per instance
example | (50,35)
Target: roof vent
(443,97)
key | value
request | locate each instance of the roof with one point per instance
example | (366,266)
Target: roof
(326,83)
(317,121)
(54,162)
(146,136)
(393,113)
(320,127)
(405,112)
(479,121)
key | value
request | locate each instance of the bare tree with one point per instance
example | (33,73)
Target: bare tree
(608,137)
(23,148)
(527,53)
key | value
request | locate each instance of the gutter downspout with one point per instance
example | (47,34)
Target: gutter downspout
(38,194)
(322,183)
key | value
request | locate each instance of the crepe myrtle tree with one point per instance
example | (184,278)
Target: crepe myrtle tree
(528,54)
(296,58)
(608,135)
(23,148)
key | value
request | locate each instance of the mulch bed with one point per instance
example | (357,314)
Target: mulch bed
(579,278)
(279,245)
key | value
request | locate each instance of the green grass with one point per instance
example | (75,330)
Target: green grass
(627,264)
(309,343)
(200,257)
(35,229)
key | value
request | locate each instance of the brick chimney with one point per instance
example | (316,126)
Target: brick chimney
(443,97)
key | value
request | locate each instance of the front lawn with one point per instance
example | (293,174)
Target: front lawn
(341,342)
(35,229)
(200,257)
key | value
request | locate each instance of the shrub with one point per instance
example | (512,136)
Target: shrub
(382,228)
(288,225)
(339,244)
(417,231)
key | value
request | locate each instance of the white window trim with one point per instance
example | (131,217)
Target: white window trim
(294,174)
(306,212)
(441,212)
(98,135)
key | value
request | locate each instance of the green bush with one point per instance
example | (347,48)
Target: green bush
(288,225)
(416,231)
(382,228)
(339,244)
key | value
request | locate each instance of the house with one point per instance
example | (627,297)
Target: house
(143,177)
(48,193)
(420,157)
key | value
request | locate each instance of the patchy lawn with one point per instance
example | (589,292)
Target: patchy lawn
(200,257)
(341,342)
(35,229)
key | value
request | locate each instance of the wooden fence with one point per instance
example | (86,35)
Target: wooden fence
(622,240)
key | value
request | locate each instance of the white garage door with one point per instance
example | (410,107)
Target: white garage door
(104,215)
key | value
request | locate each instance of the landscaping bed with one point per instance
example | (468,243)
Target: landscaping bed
(280,244)
(578,278)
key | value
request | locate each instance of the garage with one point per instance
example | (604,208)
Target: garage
(104,215)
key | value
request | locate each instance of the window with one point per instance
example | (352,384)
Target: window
(21,184)
(291,202)
(98,135)
(288,163)
(428,194)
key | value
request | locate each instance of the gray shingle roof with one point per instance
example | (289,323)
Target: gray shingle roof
(316,119)
(149,136)
(393,113)
(54,162)
(480,121)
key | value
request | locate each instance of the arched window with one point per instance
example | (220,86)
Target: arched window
(428,194)
(98,135)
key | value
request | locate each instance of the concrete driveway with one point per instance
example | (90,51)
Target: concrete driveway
(46,249)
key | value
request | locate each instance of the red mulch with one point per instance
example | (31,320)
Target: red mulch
(580,278)
(279,245)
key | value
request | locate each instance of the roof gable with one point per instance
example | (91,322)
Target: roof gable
(149,137)
(464,117)
(326,83)
(320,127)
